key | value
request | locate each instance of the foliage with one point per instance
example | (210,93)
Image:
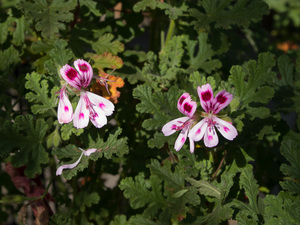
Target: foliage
(145,54)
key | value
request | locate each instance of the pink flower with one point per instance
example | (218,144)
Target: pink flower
(65,109)
(206,127)
(188,107)
(73,165)
(90,106)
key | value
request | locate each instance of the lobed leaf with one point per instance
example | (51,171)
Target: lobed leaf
(49,16)
(39,93)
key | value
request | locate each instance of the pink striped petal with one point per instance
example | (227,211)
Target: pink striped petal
(65,109)
(206,96)
(210,137)
(180,141)
(71,76)
(173,126)
(85,70)
(181,99)
(222,99)
(186,106)
(81,115)
(106,106)
(197,132)
(226,129)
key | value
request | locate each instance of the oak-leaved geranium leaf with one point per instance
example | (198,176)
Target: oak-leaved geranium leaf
(39,93)
(29,136)
(49,16)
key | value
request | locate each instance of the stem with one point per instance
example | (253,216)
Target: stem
(170,31)
(219,167)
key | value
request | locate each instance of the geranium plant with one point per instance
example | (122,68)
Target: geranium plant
(98,99)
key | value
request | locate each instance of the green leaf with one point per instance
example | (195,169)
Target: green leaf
(39,94)
(19,34)
(226,13)
(161,105)
(180,193)
(105,60)
(250,81)
(174,11)
(9,57)
(105,43)
(119,220)
(249,212)
(280,210)
(205,188)
(290,150)
(113,145)
(203,59)
(286,70)
(198,80)
(170,58)
(142,192)
(68,129)
(3,31)
(91,5)
(49,16)
(53,139)
(174,180)
(29,136)
(142,5)
(84,200)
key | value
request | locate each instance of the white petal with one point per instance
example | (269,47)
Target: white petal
(81,115)
(71,76)
(226,129)
(67,166)
(98,118)
(106,106)
(192,145)
(210,137)
(197,132)
(180,141)
(89,151)
(85,70)
(65,109)
(170,127)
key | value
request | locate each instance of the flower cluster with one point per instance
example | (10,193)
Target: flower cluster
(190,127)
(90,106)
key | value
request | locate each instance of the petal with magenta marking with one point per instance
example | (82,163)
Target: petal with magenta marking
(222,99)
(173,126)
(65,109)
(226,129)
(180,141)
(210,137)
(98,118)
(206,96)
(106,106)
(85,70)
(197,132)
(81,115)
(71,76)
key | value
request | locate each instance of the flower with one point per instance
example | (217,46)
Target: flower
(188,107)
(90,106)
(206,127)
(71,166)
(65,109)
